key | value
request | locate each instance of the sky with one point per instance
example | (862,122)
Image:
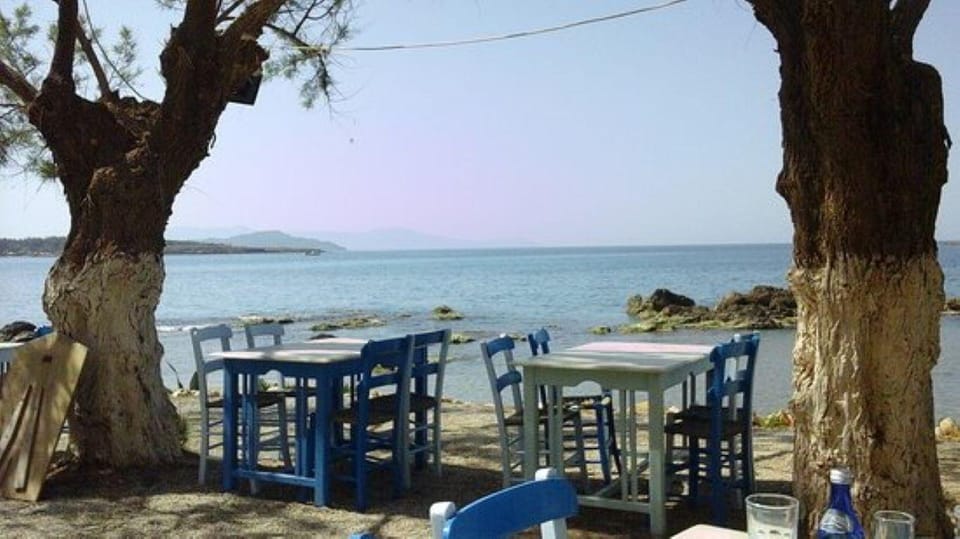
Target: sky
(657,129)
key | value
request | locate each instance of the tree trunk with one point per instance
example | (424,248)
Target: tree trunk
(867,338)
(865,153)
(123,415)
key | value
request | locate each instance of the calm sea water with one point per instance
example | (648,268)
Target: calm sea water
(568,290)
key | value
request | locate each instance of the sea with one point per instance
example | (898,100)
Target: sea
(566,290)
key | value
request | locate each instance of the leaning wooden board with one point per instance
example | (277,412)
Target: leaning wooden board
(37,393)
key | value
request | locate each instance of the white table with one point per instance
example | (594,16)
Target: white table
(6,351)
(626,367)
(703,531)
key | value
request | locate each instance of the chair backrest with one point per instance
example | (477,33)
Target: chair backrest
(198,336)
(422,366)
(386,363)
(273,330)
(491,350)
(548,501)
(539,342)
(733,388)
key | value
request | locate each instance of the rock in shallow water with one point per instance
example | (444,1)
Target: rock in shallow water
(18,331)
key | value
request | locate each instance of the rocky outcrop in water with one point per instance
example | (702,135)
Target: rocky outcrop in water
(763,307)
(445,312)
(350,322)
(18,331)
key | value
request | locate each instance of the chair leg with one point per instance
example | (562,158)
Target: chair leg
(505,454)
(204,444)
(282,427)
(612,434)
(748,464)
(581,451)
(693,468)
(603,447)
(718,504)
(437,461)
(359,437)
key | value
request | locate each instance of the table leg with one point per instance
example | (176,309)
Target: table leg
(321,442)
(300,427)
(229,464)
(252,416)
(658,516)
(531,425)
(555,420)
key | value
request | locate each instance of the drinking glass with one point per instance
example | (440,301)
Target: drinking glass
(772,516)
(892,525)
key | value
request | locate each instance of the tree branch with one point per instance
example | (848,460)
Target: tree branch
(906,15)
(253,19)
(61,67)
(227,13)
(17,84)
(105,91)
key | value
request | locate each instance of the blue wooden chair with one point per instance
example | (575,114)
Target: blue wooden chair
(384,365)
(426,403)
(599,428)
(547,501)
(510,422)
(723,425)
(209,422)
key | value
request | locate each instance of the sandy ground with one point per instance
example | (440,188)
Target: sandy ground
(168,502)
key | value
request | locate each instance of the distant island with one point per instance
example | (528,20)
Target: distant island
(257,242)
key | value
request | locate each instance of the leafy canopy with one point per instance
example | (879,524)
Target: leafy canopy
(298,35)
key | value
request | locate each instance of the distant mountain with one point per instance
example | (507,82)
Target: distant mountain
(52,246)
(384,239)
(274,239)
(393,239)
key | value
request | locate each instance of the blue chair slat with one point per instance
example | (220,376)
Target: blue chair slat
(546,501)
(508,379)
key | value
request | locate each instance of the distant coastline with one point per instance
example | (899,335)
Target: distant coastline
(53,246)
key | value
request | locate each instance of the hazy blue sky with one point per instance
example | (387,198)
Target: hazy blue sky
(662,128)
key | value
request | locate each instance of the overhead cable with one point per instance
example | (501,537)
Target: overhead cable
(502,37)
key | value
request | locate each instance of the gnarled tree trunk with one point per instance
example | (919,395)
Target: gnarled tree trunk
(122,163)
(107,300)
(865,153)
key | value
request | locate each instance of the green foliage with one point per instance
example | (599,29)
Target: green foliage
(299,38)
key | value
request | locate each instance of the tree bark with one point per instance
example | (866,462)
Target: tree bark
(122,414)
(865,152)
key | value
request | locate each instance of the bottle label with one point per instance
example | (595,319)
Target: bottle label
(834,521)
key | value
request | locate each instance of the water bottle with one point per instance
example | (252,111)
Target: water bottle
(840,521)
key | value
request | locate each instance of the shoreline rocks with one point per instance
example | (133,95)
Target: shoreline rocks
(445,312)
(350,322)
(763,307)
(18,331)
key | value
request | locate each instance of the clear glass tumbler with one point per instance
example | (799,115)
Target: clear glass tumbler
(892,525)
(772,516)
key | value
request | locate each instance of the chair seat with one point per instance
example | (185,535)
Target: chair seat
(586,401)
(264,399)
(383,409)
(699,427)
(516,419)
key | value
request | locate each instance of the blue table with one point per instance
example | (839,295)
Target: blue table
(324,362)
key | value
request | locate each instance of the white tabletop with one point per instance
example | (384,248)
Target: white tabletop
(6,351)
(637,357)
(305,352)
(703,531)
